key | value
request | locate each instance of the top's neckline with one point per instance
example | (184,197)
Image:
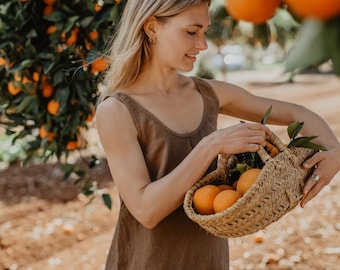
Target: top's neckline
(187,134)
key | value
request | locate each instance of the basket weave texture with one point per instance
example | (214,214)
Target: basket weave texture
(277,190)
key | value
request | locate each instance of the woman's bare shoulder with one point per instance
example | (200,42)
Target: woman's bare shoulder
(112,113)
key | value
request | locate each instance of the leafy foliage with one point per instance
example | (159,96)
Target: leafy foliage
(49,51)
(317,43)
(50,69)
(293,131)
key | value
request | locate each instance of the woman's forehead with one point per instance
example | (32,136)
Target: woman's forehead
(197,15)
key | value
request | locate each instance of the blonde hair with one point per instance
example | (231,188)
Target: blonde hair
(129,47)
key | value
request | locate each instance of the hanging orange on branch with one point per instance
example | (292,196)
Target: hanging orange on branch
(319,9)
(254,11)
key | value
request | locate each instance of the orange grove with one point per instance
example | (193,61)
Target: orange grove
(254,11)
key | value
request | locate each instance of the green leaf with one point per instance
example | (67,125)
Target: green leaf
(333,43)
(86,22)
(26,63)
(80,173)
(55,16)
(24,103)
(294,129)
(266,115)
(107,200)
(309,48)
(314,146)
(67,167)
(305,142)
(301,141)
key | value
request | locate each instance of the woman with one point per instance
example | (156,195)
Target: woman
(158,130)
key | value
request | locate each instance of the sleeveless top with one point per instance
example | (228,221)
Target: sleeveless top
(176,243)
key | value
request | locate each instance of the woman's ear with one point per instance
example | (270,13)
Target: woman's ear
(150,28)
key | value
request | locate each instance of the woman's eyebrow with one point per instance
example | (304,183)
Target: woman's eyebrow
(200,25)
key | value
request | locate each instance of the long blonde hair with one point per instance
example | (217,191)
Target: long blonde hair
(129,47)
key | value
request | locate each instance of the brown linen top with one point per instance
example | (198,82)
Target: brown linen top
(176,243)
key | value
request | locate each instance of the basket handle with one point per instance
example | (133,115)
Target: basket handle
(225,163)
(276,141)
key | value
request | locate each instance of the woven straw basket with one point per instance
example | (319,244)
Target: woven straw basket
(277,190)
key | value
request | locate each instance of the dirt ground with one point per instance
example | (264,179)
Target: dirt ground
(45,224)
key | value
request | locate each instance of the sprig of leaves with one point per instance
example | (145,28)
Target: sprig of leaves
(293,131)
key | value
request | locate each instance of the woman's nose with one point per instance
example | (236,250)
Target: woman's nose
(202,43)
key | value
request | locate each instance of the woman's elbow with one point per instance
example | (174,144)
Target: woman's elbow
(148,220)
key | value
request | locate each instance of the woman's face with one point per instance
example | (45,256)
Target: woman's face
(180,39)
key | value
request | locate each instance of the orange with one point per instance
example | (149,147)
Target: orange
(225,199)
(93,35)
(319,9)
(73,37)
(12,89)
(272,150)
(97,7)
(36,76)
(99,65)
(225,187)
(247,179)
(47,10)
(90,115)
(44,134)
(203,199)
(49,2)
(73,145)
(3,62)
(47,90)
(17,77)
(254,11)
(51,29)
(53,106)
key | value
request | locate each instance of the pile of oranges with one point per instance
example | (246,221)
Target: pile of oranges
(211,198)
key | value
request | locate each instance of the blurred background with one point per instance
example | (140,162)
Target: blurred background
(58,203)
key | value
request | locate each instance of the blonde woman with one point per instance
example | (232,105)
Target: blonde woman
(158,130)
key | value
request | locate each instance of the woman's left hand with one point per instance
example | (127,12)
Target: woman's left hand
(327,165)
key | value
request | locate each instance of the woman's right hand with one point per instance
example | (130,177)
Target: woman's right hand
(240,138)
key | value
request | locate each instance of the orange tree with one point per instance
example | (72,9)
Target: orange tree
(49,71)
(318,37)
